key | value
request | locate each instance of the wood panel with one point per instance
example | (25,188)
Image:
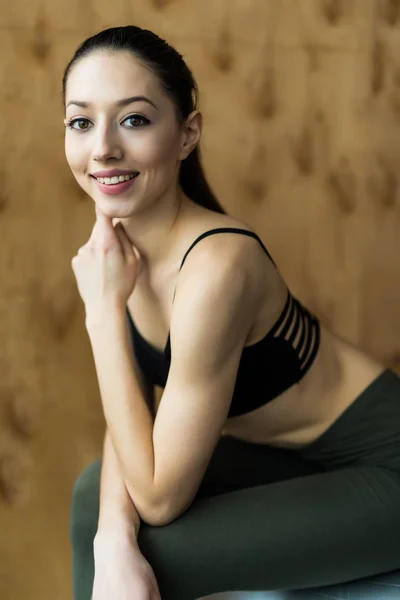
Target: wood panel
(302,140)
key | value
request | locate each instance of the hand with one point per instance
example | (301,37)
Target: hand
(106,267)
(122,572)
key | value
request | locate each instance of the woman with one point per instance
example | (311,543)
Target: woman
(273,460)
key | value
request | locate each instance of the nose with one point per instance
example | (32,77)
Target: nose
(107,144)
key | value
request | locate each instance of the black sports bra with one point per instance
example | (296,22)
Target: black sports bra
(267,368)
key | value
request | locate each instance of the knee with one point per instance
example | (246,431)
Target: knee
(85,504)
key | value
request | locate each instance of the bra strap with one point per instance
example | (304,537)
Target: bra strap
(225,230)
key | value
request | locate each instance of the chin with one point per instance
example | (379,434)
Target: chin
(114,209)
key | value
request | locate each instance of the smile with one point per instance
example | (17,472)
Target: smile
(116,185)
(115,180)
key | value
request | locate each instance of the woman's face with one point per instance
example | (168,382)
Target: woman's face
(121,124)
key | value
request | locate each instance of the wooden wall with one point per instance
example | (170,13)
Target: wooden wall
(302,140)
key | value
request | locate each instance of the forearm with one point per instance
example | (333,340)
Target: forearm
(117,511)
(129,419)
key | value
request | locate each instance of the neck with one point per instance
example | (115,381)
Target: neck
(154,231)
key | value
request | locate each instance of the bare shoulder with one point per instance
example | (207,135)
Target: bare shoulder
(228,257)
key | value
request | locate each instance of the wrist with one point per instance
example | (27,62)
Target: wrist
(116,536)
(97,316)
(121,520)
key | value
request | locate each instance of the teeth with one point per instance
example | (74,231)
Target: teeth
(114,180)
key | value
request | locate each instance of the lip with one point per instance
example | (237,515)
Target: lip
(117,188)
(112,173)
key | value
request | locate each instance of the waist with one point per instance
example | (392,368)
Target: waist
(302,413)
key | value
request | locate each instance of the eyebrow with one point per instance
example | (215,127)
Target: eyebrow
(120,103)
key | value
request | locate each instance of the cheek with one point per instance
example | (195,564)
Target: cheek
(72,154)
(154,151)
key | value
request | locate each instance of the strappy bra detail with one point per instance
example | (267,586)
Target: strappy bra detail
(268,367)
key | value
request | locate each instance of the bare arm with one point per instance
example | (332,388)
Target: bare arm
(128,417)
(120,568)
(117,511)
(208,329)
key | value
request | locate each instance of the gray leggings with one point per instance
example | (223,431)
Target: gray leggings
(322,522)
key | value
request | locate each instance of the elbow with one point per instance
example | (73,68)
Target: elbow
(168,511)
(157,518)
(158,514)
(153,511)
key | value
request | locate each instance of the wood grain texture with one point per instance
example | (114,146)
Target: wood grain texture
(301,100)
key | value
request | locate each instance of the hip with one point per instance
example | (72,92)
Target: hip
(367,432)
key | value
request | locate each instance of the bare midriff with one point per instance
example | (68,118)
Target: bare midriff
(306,410)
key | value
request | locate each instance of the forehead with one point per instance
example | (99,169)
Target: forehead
(110,76)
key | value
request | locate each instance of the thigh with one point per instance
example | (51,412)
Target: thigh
(307,532)
(236,464)
(83,527)
(86,501)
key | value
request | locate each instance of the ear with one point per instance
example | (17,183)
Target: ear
(191,133)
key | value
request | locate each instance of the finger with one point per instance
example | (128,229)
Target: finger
(156,588)
(104,222)
(126,245)
(136,253)
(156,595)
(120,223)
(135,250)
(103,231)
(103,219)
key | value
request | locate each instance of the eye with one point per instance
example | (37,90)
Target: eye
(136,121)
(79,124)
